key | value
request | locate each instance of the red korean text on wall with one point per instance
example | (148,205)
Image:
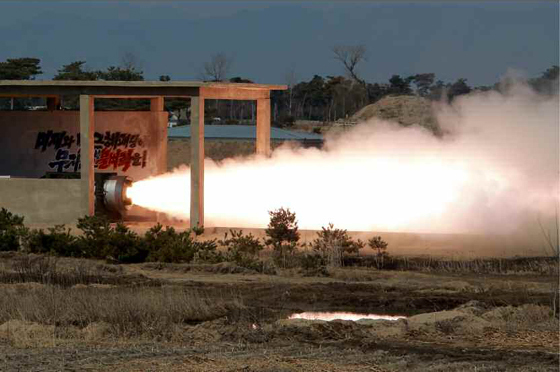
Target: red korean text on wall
(117,151)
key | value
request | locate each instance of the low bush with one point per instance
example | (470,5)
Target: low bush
(12,231)
(101,240)
(243,249)
(168,245)
(313,264)
(334,244)
(58,241)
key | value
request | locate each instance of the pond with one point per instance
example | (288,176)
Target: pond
(339,315)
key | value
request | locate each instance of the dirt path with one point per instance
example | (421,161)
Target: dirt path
(287,356)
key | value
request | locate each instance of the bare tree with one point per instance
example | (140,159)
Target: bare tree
(129,61)
(351,56)
(218,67)
(291,80)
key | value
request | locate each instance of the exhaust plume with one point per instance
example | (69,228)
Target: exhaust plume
(494,169)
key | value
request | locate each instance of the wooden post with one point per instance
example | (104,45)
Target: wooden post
(263,126)
(197,162)
(87,174)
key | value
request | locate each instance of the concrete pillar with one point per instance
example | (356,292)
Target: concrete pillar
(86,154)
(160,119)
(263,126)
(197,162)
(156,104)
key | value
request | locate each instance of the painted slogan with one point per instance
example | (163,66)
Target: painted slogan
(117,151)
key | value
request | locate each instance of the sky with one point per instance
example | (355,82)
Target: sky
(478,41)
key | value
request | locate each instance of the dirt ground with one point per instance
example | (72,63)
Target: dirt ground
(454,323)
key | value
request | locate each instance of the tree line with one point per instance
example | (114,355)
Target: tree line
(322,98)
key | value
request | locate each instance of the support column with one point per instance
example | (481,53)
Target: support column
(263,126)
(160,120)
(87,174)
(197,162)
(156,104)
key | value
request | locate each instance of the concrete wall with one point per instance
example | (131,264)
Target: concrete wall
(35,142)
(41,200)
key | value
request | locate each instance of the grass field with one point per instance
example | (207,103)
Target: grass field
(76,314)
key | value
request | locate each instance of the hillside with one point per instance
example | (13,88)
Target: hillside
(406,110)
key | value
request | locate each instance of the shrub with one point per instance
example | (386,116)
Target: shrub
(243,249)
(168,245)
(283,234)
(100,240)
(58,241)
(126,246)
(313,265)
(95,241)
(380,248)
(333,244)
(206,252)
(12,231)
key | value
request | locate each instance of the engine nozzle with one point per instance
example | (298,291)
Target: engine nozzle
(114,190)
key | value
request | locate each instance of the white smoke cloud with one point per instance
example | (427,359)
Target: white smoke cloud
(496,170)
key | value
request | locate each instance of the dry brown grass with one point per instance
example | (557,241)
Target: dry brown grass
(154,313)
(498,266)
(354,274)
(64,272)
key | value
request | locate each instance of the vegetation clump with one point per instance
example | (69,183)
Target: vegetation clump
(12,231)
(168,245)
(101,240)
(243,249)
(334,244)
(57,241)
(283,235)
(380,248)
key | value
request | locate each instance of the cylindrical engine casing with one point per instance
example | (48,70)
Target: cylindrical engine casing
(114,190)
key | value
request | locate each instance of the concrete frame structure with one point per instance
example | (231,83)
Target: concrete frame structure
(88,91)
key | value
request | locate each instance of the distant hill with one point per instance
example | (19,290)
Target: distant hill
(406,110)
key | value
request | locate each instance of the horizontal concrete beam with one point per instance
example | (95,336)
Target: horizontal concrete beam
(27,95)
(229,92)
(142,84)
(97,91)
(112,96)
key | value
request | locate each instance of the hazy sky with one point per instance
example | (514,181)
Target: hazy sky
(475,40)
